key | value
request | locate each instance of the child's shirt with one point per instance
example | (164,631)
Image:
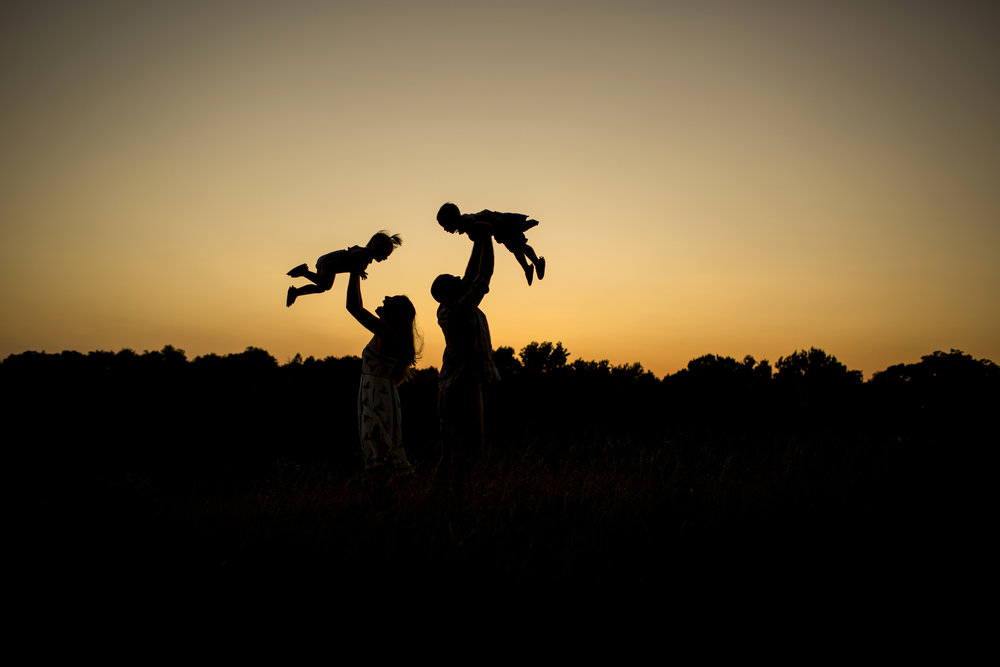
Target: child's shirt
(343,261)
(506,226)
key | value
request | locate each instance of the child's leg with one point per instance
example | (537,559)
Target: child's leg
(529,270)
(315,278)
(323,278)
(322,282)
(310,289)
(302,271)
(519,256)
(539,262)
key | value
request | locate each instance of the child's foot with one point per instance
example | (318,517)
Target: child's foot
(299,270)
(540,267)
(290,299)
(529,273)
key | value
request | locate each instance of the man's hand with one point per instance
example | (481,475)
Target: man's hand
(481,286)
(480,230)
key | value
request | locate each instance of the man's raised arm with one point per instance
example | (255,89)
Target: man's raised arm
(480,265)
(475,258)
(479,272)
(485,258)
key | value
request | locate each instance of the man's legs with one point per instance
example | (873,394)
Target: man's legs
(460,408)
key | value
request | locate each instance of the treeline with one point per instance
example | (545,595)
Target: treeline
(807,391)
(157,410)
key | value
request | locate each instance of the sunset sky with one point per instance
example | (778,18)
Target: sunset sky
(732,178)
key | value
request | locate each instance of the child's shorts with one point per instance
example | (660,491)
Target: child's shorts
(512,241)
(334,262)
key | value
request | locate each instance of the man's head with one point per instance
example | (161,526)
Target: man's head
(446,288)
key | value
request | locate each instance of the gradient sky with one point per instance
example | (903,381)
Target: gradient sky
(711,177)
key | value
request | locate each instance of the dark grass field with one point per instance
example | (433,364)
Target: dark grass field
(160,476)
(608,516)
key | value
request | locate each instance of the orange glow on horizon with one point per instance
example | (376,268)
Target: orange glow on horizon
(729,182)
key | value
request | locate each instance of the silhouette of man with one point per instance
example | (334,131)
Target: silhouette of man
(468,354)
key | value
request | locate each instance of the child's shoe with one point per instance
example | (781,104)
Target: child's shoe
(290,299)
(529,273)
(540,267)
(298,271)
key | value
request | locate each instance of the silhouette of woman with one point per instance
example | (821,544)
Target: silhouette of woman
(386,362)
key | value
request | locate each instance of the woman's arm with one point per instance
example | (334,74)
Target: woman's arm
(356,308)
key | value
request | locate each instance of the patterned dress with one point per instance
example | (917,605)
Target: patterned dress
(379,415)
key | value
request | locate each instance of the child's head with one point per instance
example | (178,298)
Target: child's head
(448,217)
(382,244)
(446,288)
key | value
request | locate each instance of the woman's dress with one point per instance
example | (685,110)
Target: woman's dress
(379,415)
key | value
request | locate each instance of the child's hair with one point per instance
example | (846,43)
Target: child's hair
(384,241)
(447,216)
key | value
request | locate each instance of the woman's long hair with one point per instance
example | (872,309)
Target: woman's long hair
(401,317)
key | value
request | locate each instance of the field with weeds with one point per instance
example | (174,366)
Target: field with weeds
(624,515)
(236,471)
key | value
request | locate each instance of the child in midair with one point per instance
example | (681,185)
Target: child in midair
(355,258)
(507,228)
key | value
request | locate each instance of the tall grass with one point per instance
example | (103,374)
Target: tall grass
(614,512)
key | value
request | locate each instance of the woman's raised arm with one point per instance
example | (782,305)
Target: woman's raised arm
(356,308)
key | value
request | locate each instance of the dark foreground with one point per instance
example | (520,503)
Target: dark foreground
(609,516)
(151,474)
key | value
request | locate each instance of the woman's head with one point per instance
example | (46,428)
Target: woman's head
(400,315)
(395,309)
